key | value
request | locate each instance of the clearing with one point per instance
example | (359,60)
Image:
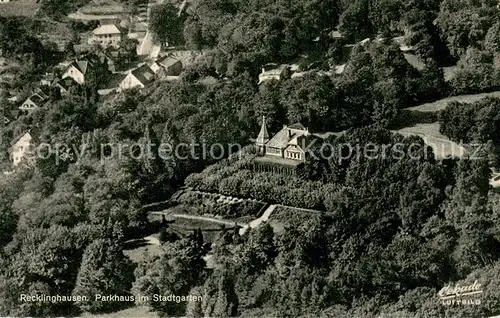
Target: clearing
(442,103)
(140,249)
(441,145)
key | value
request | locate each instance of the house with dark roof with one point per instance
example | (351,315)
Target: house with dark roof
(77,70)
(10,116)
(167,66)
(138,78)
(65,85)
(33,102)
(290,144)
(112,85)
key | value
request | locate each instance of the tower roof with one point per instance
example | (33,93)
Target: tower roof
(263,136)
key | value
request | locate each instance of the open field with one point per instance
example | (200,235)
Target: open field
(442,146)
(18,8)
(442,103)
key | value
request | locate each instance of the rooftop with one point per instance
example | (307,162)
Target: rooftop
(107,29)
(144,74)
(167,61)
(288,134)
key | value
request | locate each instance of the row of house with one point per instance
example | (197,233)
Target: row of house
(76,73)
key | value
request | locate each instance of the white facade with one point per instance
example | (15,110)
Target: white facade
(28,105)
(75,74)
(33,102)
(129,82)
(105,36)
(20,149)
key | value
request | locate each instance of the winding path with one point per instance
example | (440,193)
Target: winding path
(255,223)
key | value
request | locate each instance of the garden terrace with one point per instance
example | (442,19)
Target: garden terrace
(277,165)
(238,179)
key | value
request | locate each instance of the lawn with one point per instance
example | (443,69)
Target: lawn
(140,249)
(25,8)
(442,146)
(442,103)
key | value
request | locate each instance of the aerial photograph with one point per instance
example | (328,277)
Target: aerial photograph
(250,158)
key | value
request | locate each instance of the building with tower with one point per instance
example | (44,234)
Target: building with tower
(290,143)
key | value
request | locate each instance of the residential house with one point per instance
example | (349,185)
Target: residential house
(273,71)
(33,102)
(20,148)
(336,35)
(64,85)
(108,35)
(167,66)
(13,99)
(108,59)
(138,78)
(10,116)
(112,85)
(77,71)
(290,143)
(47,79)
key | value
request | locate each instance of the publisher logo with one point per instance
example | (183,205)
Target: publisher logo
(461,294)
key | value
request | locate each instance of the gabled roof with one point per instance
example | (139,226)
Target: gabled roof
(37,99)
(114,81)
(144,74)
(304,141)
(81,65)
(106,29)
(26,136)
(283,138)
(67,82)
(167,61)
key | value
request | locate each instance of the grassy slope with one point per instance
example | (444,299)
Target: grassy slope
(442,103)
(430,133)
